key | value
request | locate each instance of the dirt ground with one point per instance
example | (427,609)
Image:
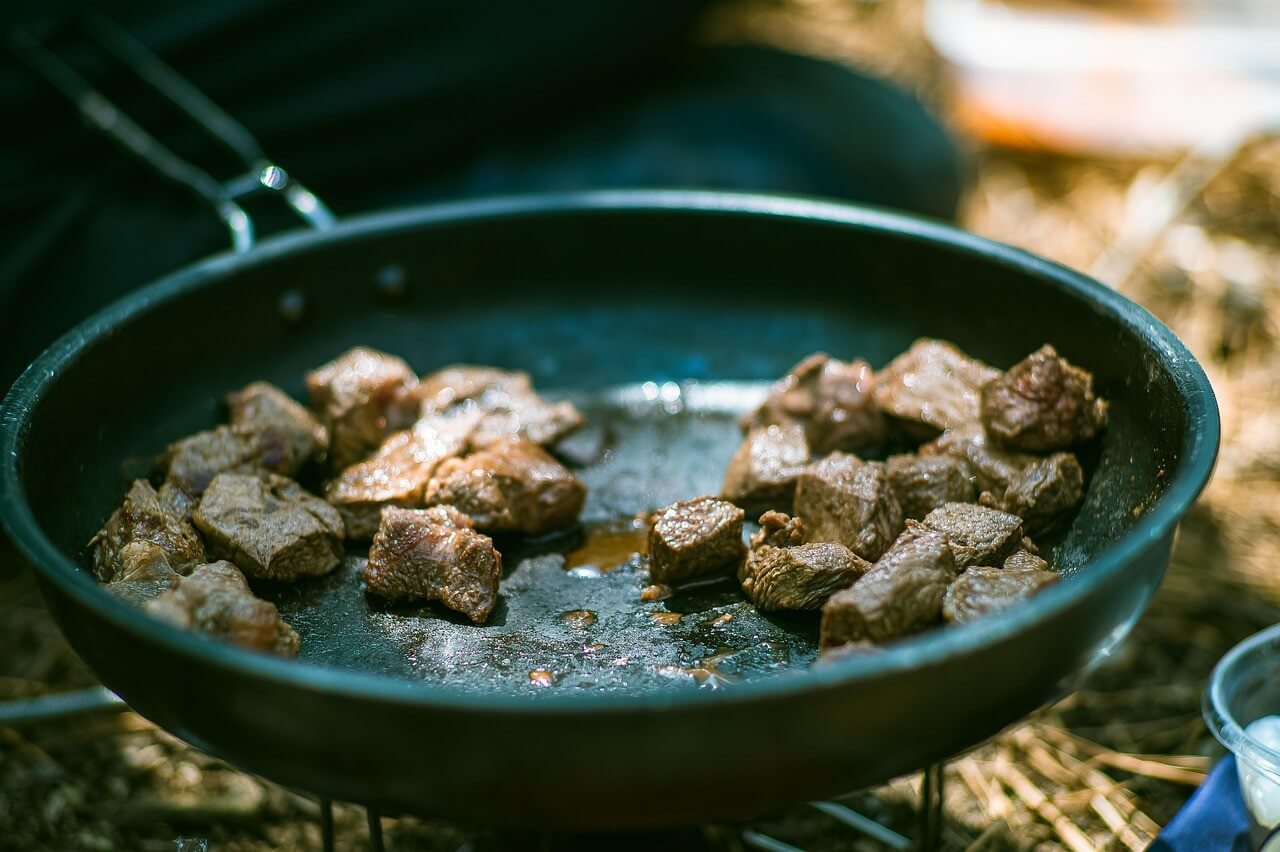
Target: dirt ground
(1103,769)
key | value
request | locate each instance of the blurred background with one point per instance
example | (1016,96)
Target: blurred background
(1132,139)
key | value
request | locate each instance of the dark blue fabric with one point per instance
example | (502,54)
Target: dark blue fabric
(1214,819)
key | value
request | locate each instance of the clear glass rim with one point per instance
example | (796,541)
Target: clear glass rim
(1218,716)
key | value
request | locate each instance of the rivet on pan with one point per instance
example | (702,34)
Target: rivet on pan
(390,281)
(292,306)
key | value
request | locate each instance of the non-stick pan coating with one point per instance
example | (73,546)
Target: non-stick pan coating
(591,294)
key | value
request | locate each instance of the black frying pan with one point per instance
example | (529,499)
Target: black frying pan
(615,298)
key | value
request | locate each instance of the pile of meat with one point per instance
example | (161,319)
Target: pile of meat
(890,548)
(426,468)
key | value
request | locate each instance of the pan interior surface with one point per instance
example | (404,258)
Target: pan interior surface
(570,615)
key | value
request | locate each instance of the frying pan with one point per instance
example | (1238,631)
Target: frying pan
(662,313)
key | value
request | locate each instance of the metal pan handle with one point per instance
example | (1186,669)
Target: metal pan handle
(261,174)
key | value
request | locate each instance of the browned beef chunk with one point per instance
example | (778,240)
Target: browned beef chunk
(778,529)
(800,577)
(146,576)
(194,461)
(434,555)
(177,500)
(845,499)
(694,539)
(933,385)
(262,406)
(1043,403)
(832,399)
(507,405)
(923,483)
(396,475)
(919,545)
(144,519)
(977,535)
(1035,488)
(1025,559)
(846,651)
(269,526)
(762,473)
(889,602)
(216,599)
(981,591)
(514,486)
(362,395)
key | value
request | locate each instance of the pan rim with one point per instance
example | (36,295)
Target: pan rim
(1197,454)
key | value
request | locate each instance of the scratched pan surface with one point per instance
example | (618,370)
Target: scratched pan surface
(580,706)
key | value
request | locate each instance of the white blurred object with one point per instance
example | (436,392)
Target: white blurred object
(1110,78)
(1261,788)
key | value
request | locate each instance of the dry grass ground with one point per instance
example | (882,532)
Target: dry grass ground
(1103,769)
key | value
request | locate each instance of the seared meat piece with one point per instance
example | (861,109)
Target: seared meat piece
(144,519)
(396,475)
(194,461)
(933,384)
(434,555)
(919,545)
(514,486)
(923,483)
(362,395)
(1037,489)
(977,535)
(1025,559)
(177,500)
(845,499)
(831,399)
(1043,403)
(763,471)
(262,406)
(508,405)
(694,539)
(779,530)
(981,591)
(800,577)
(892,600)
(216,600)
(146,576)
(269,526)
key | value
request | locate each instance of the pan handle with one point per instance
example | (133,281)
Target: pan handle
(261,174)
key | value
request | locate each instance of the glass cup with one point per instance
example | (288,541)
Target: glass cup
(1244,689)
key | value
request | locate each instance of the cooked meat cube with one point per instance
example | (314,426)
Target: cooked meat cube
(194,461)
(1043,403)
(933,384)
(982,590)
(1025,559)
(509,407)
(762,473)
(977,535)
(514,486)
(779,530)
(919,545)
(144,518)
(845,499)
(1037,489)
(216,600)
(694,539)
(800,577)
(890,601)
(923,483)
(396,475)
(177,500)
(262,406)
(434,555)
(146,575)
(845,651)
(832,399)
(362,395)
(269,526)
